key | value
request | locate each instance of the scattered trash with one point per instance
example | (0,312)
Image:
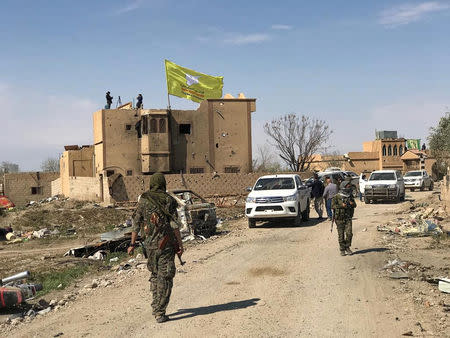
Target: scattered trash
(399,275)
(10,236)
(444,285)
(114,259)
(364,230)
(409,333)
(41,233)
(43,312)
(414,227)
(99,255)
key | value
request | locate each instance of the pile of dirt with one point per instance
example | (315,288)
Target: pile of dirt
(83,217)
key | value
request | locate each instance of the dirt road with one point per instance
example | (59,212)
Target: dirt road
(274,280)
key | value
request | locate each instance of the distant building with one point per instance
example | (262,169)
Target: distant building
(387,151)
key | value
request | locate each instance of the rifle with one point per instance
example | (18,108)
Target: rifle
(332,221)
(165,240)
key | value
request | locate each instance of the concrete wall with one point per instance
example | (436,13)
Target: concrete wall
(445,192)
(75,163)
(128,188)
(219,139)
(56,187)
(84,188)
(22,188)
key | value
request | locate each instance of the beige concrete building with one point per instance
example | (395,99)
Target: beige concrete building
(387,153)
(214,138)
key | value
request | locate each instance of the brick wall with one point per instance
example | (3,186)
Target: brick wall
(128,188)
(22,188)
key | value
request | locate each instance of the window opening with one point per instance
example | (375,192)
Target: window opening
(36,190)
(389,151)
(232,169)
(185,128)
(109,173)
(153,126)
(162,125)
(384,150)
(129,172)
(197,170)
(128,127)
(395,150)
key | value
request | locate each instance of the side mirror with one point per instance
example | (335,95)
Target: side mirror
(248,189)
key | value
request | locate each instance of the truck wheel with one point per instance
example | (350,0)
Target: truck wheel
(431,186)
(412,189)
(251,223)
(366,200)
(402,197)
(305,214)
(422,187)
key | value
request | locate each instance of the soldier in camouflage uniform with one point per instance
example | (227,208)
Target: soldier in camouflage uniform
(344,206)
(156,220)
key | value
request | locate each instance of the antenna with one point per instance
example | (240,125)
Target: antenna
(119,102)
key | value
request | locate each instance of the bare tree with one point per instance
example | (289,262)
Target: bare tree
(8,167)
(334,159)
(297,139)
(50,164)
(264,161)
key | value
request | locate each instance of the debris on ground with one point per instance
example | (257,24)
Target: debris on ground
(414,227)
(444,285)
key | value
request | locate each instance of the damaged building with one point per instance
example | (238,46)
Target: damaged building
(130,144)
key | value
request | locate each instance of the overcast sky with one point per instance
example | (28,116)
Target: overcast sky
(361,65)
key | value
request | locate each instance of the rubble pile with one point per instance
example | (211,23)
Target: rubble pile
(423,220)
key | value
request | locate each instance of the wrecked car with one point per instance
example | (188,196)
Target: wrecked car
(197,216)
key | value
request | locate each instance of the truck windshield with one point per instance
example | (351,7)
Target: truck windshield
(274,183)
(413,173)
(382,177)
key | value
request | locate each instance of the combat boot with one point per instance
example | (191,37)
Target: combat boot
(343,253)
(162,319)
(348,251)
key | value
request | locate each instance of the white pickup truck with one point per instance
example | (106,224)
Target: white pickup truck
(418,179)
(384,185)
(278,197)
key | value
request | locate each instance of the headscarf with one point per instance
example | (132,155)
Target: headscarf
(157,189)
(345,188)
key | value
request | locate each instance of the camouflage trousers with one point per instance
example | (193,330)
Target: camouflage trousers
(161,264)
(345,234)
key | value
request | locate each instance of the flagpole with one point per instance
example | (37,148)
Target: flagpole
(168,99)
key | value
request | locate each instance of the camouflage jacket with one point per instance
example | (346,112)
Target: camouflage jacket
(343,213)
(151,222)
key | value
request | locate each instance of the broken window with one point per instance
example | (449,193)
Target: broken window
(197,170)
(109,173)
(389,150)
(232,169)
(185,128)
(129,172)
(128,127)
(153,126)
(395,150)
(162,125)
(384,150)
(144,125)
(36,190)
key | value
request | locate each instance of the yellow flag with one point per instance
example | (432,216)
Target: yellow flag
(192,85)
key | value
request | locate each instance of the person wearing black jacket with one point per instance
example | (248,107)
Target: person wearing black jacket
(317,189)
(109,100)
